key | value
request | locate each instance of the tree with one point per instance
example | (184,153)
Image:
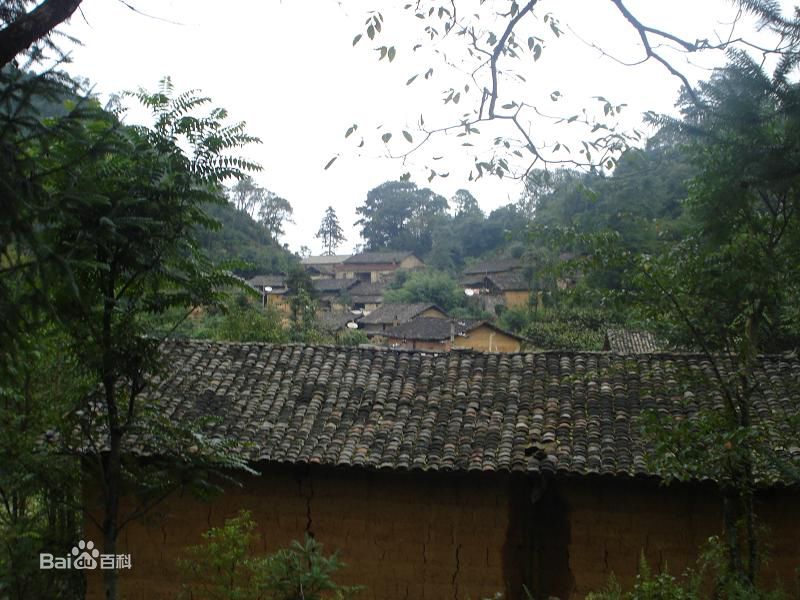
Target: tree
(117,244)
(465,205)
(730,289)
(399,215)
(247,196)
(273,213)
(330,232)
(429,286)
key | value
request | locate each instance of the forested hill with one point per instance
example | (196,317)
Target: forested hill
(242,239)
(642,200)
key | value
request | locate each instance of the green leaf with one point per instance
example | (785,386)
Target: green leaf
(356,39)
(386,137)
(350,130)
(407,136)
(371,32)
(391,53)
(330,162)
(410,81)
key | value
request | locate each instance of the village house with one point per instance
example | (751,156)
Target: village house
(393,314)
(442,335)
(366,297)
(374,267)
(323,267)
(331,294)
(273,290)
(497,284)
(473,275)
(451,475)
(336,323)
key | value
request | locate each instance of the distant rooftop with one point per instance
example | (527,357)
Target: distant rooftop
(273,281)
(369,258)
(433,329)
(625,341)
(387,313)
(328,259)
(333,285)
(494,265)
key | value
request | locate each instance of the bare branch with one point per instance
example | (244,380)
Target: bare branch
(498,50)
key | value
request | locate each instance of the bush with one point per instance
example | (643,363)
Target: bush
(224,568)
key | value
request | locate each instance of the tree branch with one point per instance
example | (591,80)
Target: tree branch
(498,50)
(20,34)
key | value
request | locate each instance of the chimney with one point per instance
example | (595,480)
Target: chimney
(396,321)
(452,332)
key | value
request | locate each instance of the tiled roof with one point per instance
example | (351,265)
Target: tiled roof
(335,321)
(625,341)
(369,258)
(327,259)
(388,313)
(552,412)
(274,281)
(332,285)
(509,282)
(496,265)
(431,328)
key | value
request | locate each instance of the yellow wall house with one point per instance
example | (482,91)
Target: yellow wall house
(441,335)
(377,266)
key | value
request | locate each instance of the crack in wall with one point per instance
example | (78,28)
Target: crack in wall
(308,498)
(455,573)
(425,547)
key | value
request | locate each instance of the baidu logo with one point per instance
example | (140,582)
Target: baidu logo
(84,556)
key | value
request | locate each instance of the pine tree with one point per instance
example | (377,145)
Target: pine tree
(330,232)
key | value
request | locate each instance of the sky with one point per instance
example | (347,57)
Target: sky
(290,71)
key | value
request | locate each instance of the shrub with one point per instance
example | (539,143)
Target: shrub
(224,568)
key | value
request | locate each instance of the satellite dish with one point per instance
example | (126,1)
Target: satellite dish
(352,325)
(357,311)
(268,289)
(469,292)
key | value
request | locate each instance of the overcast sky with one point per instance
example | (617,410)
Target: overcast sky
(290,71)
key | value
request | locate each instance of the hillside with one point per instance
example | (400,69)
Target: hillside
(242,239)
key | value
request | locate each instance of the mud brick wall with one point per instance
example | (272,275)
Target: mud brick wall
(457,536)
(612,522)
(402,535)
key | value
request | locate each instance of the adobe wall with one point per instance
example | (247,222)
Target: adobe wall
(484,338)
(445,535)
(402,536)
(612,521)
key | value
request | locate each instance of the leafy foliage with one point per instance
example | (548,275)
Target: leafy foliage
(428,286)
(225,568)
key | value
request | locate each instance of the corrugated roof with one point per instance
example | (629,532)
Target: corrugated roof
(548,412)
